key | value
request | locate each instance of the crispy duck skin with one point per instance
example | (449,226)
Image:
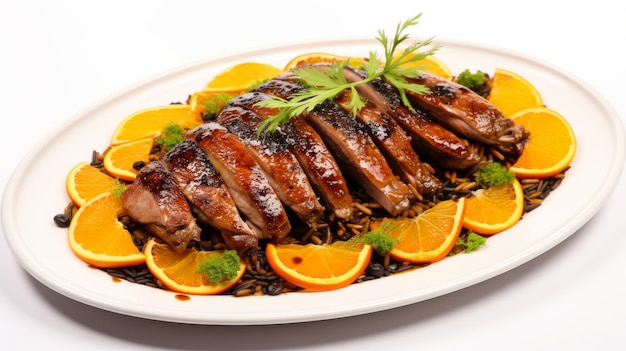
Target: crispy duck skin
(307,145)
(429,138)
(281,167)
(468,114)
(245,180)
(157,202)
(208,196)
(395,144)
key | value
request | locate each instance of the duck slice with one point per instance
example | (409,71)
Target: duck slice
(394,142)
(281,167)
(468,114)
(429,138)
(245,180)
(307,145)
(208,196)
(157,202)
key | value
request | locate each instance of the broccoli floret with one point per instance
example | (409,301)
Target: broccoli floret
(171,136)
(471,80)
(381,242)
(493,174)
(220,267)
(471,242)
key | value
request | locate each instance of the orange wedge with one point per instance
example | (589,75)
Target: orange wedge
(98,238)
(119,159)
(510,92)
(148,123)
(428,237)
(321,57)
(551,146)
(240,77)
(494,209)
(319,267)
(178,271)
(432,65)
(85,181)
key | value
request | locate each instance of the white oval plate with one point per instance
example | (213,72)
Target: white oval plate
(36,192)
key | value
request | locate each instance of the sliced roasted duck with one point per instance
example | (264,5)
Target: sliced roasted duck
(208,196)
(155,201)
(395,144)
(271,151)
(245,180)
(307,145)
(468,114)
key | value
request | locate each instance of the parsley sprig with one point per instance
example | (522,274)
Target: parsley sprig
(325,83)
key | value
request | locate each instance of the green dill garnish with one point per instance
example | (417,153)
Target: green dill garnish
(171,136)
(215,104)
(493,174)
(381,242)
(328,82)
(219,267)
(118,189)
(471,242)
(471,80)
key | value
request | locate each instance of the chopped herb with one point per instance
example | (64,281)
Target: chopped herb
(327,83)
(493,174)
(219,267)
(471,242)
(381,242)
(471,80)
(118,189)
(171,136)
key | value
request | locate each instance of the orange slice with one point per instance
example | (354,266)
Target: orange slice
(433,65)
(178,271)
(321,57)
(428,237)
(198,100)
(240,77)
(85,181)
(119,159)
(494,209)
(148,123)
(319,267)
(98,238)
(551,146)
(511,92)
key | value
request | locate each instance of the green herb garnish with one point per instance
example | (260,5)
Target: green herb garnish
(171,136)
(471,80)
(215,104)
(381,242)
(118,189)
(328,82)
(471,242)
(493,174)
(219,267)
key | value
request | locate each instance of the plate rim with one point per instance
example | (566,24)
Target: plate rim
(551,241)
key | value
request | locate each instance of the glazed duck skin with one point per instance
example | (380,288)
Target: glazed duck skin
(156,201)
(466,113)
(281,167)
(245,180)
(209,198)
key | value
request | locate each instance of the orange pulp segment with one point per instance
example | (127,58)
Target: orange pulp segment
(240,77)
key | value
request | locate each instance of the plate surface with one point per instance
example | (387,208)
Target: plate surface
(36,192)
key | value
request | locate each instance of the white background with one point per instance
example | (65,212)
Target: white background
(60,57)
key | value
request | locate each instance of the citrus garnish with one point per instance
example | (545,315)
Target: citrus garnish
(428,237)
(179,271)
(432,65)
(85,181)
(511,92)
(321,57)
(241,76)
(148,123)
(98,238)
(119,159)
(494,209)
(319,267)
(551,145)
